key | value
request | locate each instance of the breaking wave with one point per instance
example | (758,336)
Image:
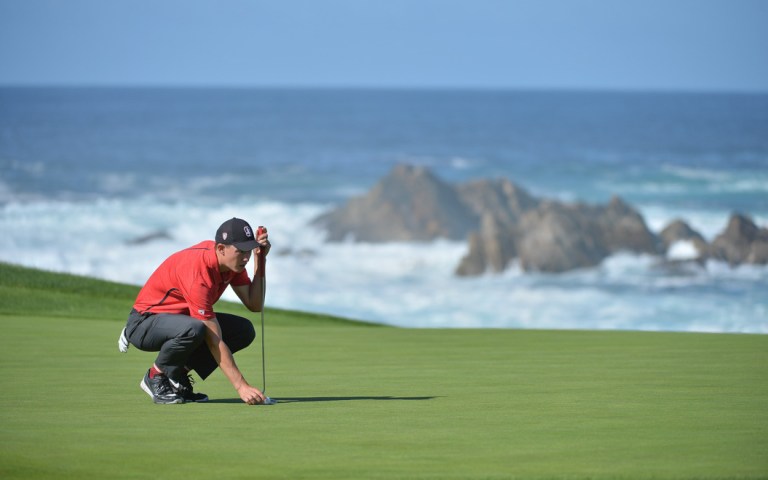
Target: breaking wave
(403,284)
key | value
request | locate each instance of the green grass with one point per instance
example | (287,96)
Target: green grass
(361,402)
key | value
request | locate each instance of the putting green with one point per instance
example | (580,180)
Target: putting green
(376,402)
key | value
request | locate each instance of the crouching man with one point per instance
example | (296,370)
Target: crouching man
(173,315)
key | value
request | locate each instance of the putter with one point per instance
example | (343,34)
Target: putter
(262,266)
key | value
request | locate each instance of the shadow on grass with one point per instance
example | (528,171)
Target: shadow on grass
(321,399)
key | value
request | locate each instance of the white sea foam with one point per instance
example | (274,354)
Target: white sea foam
(716,181)
(405,284)
(680,181)
(682,250)
(697,173)
(461,163)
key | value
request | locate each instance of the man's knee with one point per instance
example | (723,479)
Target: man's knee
(196,331)
(246,334)
(249,334)
(238,332)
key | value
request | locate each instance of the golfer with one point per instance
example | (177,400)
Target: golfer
(173,315)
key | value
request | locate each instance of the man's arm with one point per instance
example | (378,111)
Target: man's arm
(226,361)
(252,295)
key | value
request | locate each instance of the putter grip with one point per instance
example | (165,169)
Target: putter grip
(262,258)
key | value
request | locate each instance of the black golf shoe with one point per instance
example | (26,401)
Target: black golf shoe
(160,389)
(183,389)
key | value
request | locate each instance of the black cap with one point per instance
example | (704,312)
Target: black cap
(237,232)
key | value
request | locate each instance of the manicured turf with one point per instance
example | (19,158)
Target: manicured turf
(363,402)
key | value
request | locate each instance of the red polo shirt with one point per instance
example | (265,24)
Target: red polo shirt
(189,283)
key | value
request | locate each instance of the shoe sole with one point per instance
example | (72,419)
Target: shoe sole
(145,387)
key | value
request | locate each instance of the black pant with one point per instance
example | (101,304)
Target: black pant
(180,339)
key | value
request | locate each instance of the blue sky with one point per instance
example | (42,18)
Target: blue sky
(699,45)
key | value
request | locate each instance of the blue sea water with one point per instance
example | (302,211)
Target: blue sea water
(92,170)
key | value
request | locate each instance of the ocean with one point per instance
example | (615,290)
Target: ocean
(87,173)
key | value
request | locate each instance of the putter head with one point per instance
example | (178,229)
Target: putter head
(269,401)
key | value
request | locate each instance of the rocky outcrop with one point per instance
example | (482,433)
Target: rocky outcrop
(491,248)
(556,237)
(679,231)
(623,228)
(502,199)
(741,242)
(150,237)
(504,223)
(408,204)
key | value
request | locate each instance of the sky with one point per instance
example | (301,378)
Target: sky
(688,45)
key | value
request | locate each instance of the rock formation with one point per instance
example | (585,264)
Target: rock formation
(150,237)
(741,242)
(408,204)
(556,237)
(493,247)
(679,231)
(502,199)
(503,222)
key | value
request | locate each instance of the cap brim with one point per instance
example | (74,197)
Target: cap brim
(246,246)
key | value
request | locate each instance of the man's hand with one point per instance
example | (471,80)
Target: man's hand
(250,395)
(262,237)
(225,360)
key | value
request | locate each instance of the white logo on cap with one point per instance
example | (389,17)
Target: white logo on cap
(247,231)
(224,235)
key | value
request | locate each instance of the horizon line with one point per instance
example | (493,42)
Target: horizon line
(372,87)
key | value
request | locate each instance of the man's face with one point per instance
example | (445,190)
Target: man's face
(233,258)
